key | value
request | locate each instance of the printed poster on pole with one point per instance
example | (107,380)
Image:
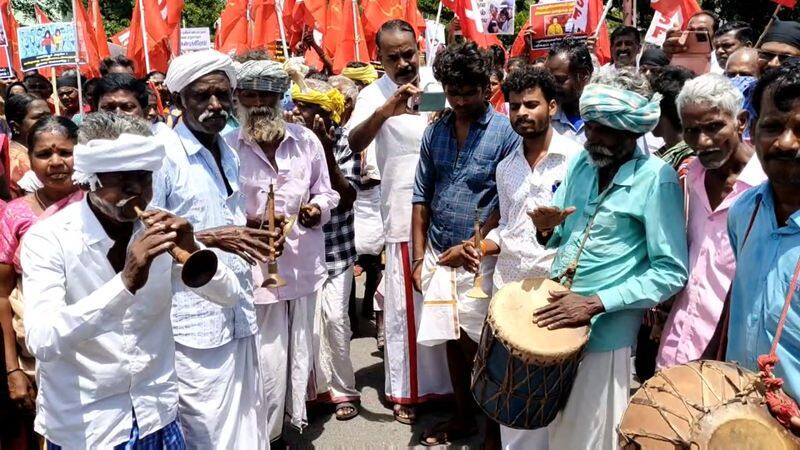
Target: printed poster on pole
(497,16)
(195,39)
(552,22)
(47,45)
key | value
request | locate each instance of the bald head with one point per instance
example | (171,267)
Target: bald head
(743,62)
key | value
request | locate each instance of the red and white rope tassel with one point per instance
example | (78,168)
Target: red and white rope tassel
(781,405)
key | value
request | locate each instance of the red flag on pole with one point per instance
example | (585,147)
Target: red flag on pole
(41,17)
(791,4)
(8,54)
(603,46)
(100,37)
(233,30)
(470,21)
(89,55)
(171,11)
(347,40)
(265,24)
(378,12)
(156,42)
(670,7)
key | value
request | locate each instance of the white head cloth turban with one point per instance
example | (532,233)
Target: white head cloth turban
(620,109)
(188,67)
(262,75)
(127,153)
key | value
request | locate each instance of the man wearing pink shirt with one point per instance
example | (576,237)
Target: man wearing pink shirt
(291,159)
(710,107)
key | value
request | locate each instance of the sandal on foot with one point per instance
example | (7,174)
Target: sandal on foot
(346,411)
(404,414)
(444,433)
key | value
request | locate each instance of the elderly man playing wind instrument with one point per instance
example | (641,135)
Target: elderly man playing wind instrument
(618,224)
(98,295)
(290,159)
(219,380)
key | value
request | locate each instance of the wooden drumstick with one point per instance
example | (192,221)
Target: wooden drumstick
(477,290)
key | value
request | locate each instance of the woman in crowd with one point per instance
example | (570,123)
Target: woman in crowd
(50,144)
(22,111)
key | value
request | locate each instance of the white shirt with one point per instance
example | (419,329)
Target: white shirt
(522,189)
(190,185)
(102,352)
(396,148)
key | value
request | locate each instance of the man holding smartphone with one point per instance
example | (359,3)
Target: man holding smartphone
(383,123)
(696,39)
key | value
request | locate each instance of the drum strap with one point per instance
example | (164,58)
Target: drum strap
(567,277)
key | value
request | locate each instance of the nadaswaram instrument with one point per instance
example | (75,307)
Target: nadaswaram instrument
(523,373)
(476,291)
(199,267)
(702,405)
(272,279)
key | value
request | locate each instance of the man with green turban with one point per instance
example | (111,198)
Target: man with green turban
(617,221)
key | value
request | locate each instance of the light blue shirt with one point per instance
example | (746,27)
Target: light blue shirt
(636,254)
(190,185)
(765,263)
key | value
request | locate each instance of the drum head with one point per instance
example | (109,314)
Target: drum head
(701,405)
(511,318)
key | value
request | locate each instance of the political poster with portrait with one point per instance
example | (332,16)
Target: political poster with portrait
(497,16)
(553,21)
(46,45)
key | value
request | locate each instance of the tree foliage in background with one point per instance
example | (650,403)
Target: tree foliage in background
(204,13)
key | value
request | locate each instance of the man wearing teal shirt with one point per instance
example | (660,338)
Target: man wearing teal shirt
(618,220)
(764,230)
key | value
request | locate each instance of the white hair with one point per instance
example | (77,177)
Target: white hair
(623,78)
(711,89)
(105,125)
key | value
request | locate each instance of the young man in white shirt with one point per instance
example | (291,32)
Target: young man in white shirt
(98,292)
(526,179)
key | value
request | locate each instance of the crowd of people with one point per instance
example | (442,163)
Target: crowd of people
(669,200)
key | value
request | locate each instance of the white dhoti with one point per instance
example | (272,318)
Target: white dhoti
(414,373)
(220,396)
(285,348)
(335,380)
(447,309)
(593,411)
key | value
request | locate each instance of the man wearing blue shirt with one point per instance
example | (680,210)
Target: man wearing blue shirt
(618,223)
(456,176)
(764,230)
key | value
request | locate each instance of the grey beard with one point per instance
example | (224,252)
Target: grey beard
(264,124)
(600,156)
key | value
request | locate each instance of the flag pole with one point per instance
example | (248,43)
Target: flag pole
(144,37)
(355,29)
(56,101)
(282,29)
(769,24)
(606,10)
(77,57)
(438,14)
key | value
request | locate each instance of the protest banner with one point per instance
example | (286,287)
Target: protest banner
(552,22)
(195,39)
(497,16)
(434,40)
(47,45)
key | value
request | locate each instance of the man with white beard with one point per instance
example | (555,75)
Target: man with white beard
(290,159)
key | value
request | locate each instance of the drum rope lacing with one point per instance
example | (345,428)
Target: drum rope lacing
(743,391)
(781,405)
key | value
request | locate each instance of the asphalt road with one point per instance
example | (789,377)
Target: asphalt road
(374,427)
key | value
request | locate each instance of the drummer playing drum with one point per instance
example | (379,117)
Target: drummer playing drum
(617,221)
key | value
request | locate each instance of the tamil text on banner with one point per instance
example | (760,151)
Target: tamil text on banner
(195,39)
(46,45)
(497,16)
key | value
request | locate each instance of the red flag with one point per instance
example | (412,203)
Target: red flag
(157,36)
(171,11)
(686,8)
(100,37)
(603,46)
(122,37)
(520,47)
(347,35)
(89,56)
(8,54)
(791,4)
(233,30)
(265,24)
(470,20)
(498,102)
(41,17)
(378,12)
